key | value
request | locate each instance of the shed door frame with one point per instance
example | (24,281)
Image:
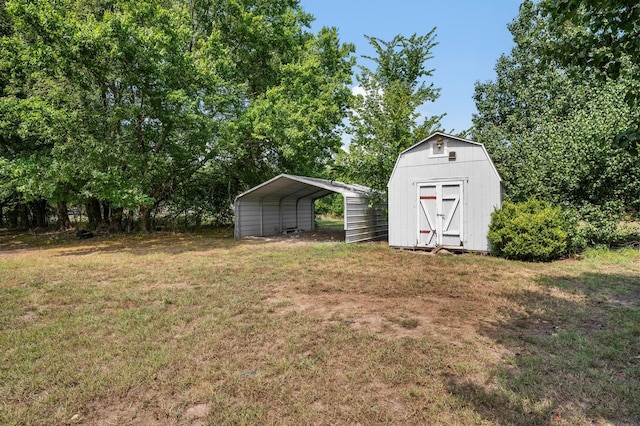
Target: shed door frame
(440,213)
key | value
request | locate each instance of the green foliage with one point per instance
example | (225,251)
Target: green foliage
(598,228)
(332,205)
(607,233)
(385,120)
(599,38)
(299,117)
(597,35)
(547,129)
(533,231)
(135,104)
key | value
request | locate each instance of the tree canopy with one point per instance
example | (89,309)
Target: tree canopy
(131,106)
(386,119)
(598,38)
(546,126)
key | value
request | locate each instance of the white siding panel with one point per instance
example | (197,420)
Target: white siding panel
(288,214)
(362,222)
(270,216)
(250,224)
(481,194)
(306,215)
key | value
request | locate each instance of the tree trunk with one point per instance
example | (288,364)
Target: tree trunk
(24,218)
(116,219)
(12,218)
(63,215)
(39,213)
(106,212)
(145,219)
(94,213)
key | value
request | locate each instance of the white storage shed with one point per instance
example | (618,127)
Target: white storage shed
(441,195)
(286,203)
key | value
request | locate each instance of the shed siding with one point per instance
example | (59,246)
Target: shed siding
(263,218)
(289,214)
(270,216)
(363,223)
(306,215)
(250,213)
(481,190)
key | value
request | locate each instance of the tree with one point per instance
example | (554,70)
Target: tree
(544,127)
(129,106)
(19,148)
(599,38)
(386,119)
(295,122)
(119,104)
(596,35)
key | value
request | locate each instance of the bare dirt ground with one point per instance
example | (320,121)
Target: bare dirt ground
(320,235)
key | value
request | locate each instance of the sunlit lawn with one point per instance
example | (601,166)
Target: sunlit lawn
(202,329)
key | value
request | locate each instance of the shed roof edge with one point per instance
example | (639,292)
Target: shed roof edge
(486,153)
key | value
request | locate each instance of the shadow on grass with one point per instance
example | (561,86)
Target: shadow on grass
(572,355)
(618,290)
(138,244)
(173,245)
(155,242)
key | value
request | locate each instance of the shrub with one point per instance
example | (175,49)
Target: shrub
(600,228)
(533,230)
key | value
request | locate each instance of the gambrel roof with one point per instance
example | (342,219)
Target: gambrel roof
(456,138)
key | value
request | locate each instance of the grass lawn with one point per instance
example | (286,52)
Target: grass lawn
(329,223)
(195,329)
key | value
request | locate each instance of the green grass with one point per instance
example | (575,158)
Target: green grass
(199,328)
(328,223)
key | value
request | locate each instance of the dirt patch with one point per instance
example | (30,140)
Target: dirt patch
(391,318)
(196,413)
(628,300)
(29,317)
(130,412)
(319,235)
(125,412)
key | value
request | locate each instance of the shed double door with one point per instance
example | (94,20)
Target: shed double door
(440,214)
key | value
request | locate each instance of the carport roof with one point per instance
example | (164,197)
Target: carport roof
(299,187)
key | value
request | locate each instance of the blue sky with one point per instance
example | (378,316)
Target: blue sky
(471,35)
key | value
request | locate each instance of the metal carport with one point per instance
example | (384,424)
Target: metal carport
(286,203)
